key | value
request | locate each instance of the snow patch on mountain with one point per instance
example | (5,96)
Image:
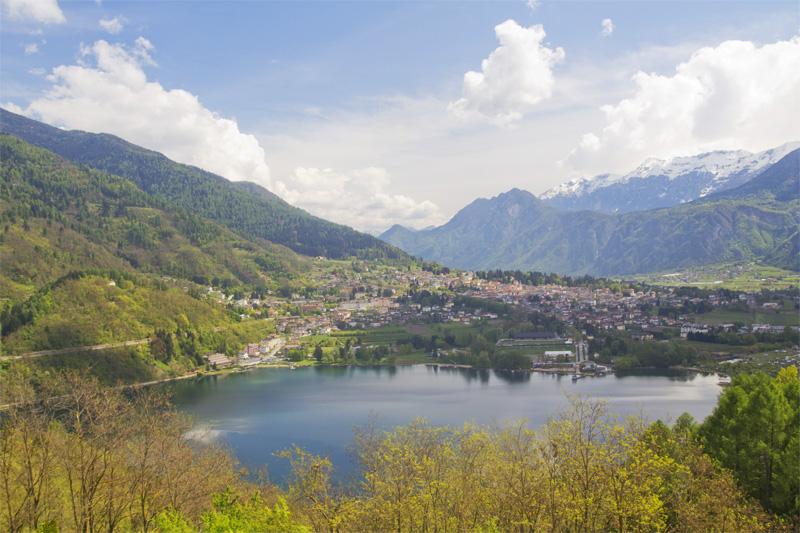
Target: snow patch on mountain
(581,186)
(719,167)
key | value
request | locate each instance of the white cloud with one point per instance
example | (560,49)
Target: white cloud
(43,11)
(357,198)
(607,27)
(112,25)
(108,91)
(14,108)
(734,95)
(430,154)
(31,48)
(532,4)
(514,78)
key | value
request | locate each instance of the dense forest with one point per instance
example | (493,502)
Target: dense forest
(57,217)
(77,456)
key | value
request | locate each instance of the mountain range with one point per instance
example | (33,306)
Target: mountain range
(739,206)
(756,220)
(664,182)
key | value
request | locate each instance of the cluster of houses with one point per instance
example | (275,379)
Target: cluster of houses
(630,311)
(266,351)
(362,299)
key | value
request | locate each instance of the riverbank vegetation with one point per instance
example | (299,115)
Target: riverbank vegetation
(75,455)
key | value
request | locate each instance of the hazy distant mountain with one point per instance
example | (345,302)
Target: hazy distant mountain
(512,230)
(246,208)
(664,183)
(516,230)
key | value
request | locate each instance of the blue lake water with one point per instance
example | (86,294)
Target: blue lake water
(265,410)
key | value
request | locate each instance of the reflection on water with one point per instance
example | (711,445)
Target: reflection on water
(259,412)
(512,376)
(669,373)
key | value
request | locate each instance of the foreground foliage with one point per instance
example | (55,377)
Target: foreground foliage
(755,431)
(92,458)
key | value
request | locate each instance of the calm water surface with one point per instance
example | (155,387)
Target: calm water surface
(259,412)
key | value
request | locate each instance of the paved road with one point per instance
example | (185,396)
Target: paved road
(42,353)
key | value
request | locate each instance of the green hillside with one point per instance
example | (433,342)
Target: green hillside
(248,209)
(96,308)
(57,218)
(99,308)
(88,258)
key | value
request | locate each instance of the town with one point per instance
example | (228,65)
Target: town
(575,325)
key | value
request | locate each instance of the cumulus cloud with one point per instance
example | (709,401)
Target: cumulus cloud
(42,11)
(108,91)
(357,198)
(734,95)
(14,108)
(112,25)
(515,77)
(607,27)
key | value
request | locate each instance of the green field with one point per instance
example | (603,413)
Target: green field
(749,277)
(413,358)
(710,347)
(784,317)
(384,335)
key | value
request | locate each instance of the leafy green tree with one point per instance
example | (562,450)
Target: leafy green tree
(162,345)
(755,431)
(230,514)
(296,355)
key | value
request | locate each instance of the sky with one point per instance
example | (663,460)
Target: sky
(376,113)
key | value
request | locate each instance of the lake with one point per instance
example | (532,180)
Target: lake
(268,409)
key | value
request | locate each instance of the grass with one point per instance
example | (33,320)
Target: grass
(413,358)
(710,347)
(748,277)
(384,335)
(784,317)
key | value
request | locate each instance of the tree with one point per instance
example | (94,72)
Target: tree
(230,513)
(318,353)
(755,431)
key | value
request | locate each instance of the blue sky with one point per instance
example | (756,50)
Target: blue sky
(358,111)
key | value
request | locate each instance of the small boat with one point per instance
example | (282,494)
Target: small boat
(576,377)
(724,381)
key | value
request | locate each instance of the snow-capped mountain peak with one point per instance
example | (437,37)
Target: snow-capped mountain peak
(720,164)
(580,186)
(663,182)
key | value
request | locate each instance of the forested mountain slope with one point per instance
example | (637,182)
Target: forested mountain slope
(88,258)
(248,209)
(58,218)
